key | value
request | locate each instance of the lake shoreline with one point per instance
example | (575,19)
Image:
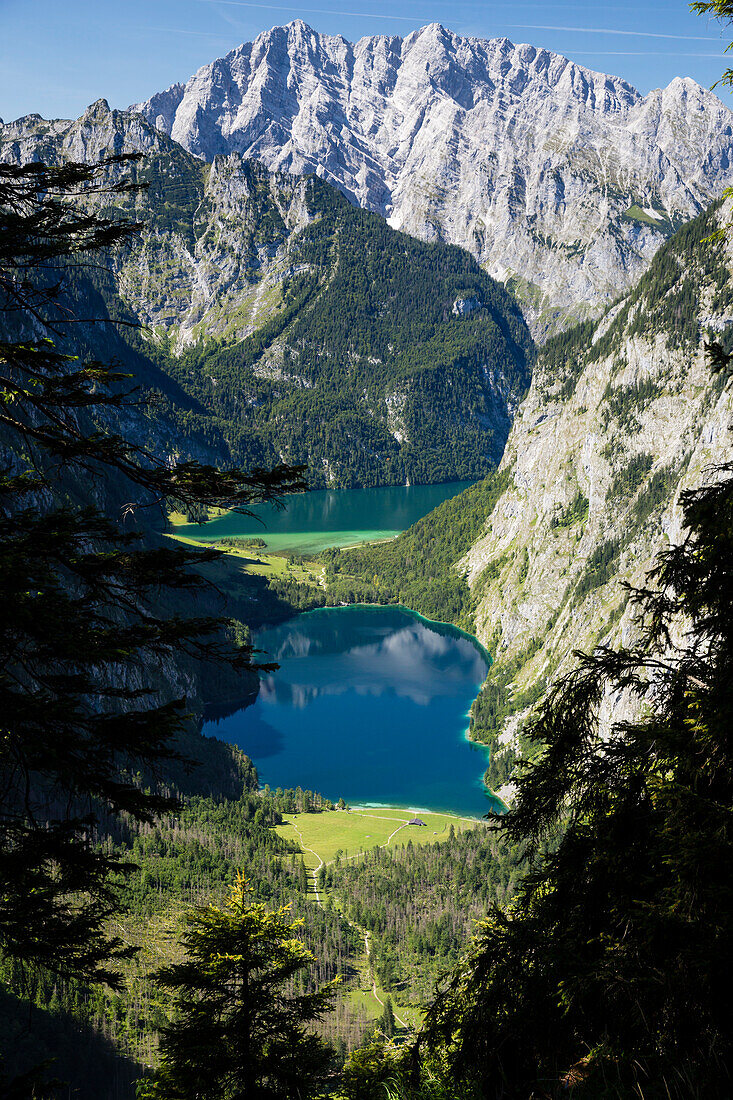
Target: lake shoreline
(321,518)
(409,611)
(222,708)
(434,622)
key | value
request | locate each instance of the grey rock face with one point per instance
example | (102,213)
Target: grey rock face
(462,306)
(614,429)
(199,267)
(565,179)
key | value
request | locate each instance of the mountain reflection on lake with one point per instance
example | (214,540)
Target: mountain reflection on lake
(369,704)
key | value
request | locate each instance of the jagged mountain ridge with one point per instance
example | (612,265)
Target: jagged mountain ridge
(298,327)
(564,179)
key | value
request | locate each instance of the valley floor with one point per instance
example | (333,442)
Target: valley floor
(346,834)
(336,836)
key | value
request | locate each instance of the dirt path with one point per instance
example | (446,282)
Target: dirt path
(357,855)
(313,875)
(314,872)
(368,950)
(357,927)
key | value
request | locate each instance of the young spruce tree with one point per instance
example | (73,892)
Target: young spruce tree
(238,1032)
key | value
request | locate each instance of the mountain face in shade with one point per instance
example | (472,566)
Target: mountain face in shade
(560,178)
(286,324)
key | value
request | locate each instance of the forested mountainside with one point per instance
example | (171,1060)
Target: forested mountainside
(622,415)
(291,326)
(418,904)
(566,179)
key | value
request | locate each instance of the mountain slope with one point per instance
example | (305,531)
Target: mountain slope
(296,327)
(566,179)
(622,416)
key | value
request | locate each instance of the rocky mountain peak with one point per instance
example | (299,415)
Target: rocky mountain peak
(542,168)
(99,107)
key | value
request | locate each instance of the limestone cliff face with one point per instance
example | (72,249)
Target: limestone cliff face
(565,179)
(621,418)
(212,252)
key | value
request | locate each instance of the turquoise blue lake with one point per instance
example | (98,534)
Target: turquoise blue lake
(369,704)
(312,521)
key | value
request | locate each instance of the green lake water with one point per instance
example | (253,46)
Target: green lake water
(369,704)
(312,521)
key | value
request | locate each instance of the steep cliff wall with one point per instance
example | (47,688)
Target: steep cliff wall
(621,418)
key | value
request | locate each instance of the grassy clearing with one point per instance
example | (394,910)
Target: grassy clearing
(275,565)
(365,1000)
(258,562)
(351,832)
(177,519)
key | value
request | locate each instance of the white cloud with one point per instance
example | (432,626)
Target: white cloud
(606,30)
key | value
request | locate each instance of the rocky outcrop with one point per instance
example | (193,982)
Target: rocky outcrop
(622,417)
(211,255)
(565,180)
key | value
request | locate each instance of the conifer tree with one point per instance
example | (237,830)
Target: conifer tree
(387,1021)
(238,1031)
(614,966)
(80,593)
(723,11)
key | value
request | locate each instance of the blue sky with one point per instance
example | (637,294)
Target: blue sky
(57,56)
